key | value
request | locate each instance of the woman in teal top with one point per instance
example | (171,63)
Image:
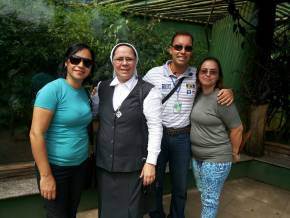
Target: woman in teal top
(59,137)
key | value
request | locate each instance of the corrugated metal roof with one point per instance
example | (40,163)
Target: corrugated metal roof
(195,11)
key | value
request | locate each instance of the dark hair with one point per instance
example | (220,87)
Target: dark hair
(219,83)
(74,48)
(181,34)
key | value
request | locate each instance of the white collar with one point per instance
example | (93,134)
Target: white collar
(129,84)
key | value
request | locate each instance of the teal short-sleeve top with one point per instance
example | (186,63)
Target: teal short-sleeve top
(66,137)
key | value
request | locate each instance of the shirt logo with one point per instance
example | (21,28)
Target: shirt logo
(166,86)
(190,85)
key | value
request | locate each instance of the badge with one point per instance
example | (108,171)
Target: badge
(166,86)
(177,107)
(189,85)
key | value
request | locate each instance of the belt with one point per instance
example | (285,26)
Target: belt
(176,131)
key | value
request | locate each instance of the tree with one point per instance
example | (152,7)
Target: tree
(265,78)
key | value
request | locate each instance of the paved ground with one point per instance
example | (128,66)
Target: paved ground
(241,198)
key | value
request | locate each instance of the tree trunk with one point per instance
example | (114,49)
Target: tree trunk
(255,144)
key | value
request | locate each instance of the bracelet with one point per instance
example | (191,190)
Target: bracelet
(235,153)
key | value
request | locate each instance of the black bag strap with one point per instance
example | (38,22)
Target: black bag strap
(173,90)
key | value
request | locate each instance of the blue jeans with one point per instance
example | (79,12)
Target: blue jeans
(175,150)
(210,178)
(69,185)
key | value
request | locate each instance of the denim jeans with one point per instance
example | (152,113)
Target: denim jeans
(69,186)
(175,150)
(210,178)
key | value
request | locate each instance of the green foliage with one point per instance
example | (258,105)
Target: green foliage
(19,59)
(33,40)
(278,117)
(102,27)
(34,34)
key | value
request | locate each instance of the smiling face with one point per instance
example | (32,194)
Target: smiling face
(181,58)
(208,74)
(124,63)
(77,66)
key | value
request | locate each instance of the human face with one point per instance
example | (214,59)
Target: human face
(208,74)
(124,63)
(77,72)
(181,58)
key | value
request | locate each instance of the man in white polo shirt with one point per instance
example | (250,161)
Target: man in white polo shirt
(175,147)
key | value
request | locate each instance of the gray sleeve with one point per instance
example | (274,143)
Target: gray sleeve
(95,102)
(229,115)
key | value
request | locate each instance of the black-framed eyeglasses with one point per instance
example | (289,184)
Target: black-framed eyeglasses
(75,60)
(187,48)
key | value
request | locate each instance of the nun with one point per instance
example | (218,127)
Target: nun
(128,138)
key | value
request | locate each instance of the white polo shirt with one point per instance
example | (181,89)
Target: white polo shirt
(162,78)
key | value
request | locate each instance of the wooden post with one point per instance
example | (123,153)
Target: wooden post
(255,144)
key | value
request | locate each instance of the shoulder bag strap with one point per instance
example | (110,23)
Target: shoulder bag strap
(173,90)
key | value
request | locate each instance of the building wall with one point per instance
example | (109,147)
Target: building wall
(227,47)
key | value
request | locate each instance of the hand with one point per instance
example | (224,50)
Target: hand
(236,157)
(225,97)
(148,174)
(94,91)
(48,187)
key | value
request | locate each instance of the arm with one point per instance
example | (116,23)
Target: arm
(95,107)
(231,119)
(153,76)
(225,97)
(152,108)
(40,123)
(236,135)
(95,101)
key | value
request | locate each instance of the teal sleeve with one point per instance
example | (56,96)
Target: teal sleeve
(229,115)
(47,97)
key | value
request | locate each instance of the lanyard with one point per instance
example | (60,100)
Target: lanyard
(178,89)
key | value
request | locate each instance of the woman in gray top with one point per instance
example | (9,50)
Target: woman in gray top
(216,135)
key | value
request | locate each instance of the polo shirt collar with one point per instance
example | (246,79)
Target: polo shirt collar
(167,71)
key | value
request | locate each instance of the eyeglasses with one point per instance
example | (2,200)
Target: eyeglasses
(180,47)
(210,72)
(75,60)
(120,60)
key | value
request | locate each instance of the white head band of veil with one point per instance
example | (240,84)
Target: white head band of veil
(129,45)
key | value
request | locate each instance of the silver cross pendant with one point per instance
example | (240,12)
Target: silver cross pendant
(118,114)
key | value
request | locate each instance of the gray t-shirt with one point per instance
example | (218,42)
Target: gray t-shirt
(210,122)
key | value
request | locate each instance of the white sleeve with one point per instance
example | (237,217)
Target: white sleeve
(152,108)
(148,77)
